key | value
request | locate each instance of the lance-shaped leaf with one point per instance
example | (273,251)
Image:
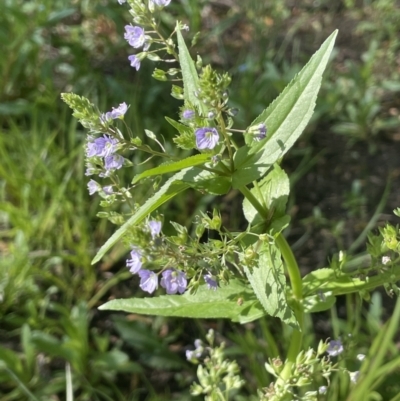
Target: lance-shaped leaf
(189,74)
(269,284)
(285,118)
(172,167)
(272,192)
(234,301)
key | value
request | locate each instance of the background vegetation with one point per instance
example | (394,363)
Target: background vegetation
(344,176)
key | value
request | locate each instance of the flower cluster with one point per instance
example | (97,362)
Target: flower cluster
(136,35)
(173,280)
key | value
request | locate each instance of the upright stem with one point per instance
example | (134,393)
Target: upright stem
(296,283)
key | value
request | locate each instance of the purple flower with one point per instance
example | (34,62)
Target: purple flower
(354,376)
(102,146)
(119,111)
(108,190)
(121,1)
(174,281)
(155,227)
(93,187)
(161,3)
(134,35)
(134,263)
(135,62)
(113,162)
(323,390)
(188,114)
(206,138)
(262,132)
(211,282)
(148,280)
(335,348)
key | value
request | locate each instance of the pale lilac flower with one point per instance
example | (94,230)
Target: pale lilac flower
(262,132)
(206,138)
(135,62)
(108,190)
(102,147)
(135,262)
(148,280)
(161,3)
(354,376)
(323,390)
(174,281)
(113,162)
(155,227)
(188,114)
(120,111)
(385,260)
(121,1)
(134,35)
(361,357)
(91,169)
(93,187)
(211,282)
(335,348)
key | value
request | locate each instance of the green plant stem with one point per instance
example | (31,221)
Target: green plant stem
(297,288)
(296,283)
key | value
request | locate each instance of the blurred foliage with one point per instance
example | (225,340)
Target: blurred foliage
(49,324)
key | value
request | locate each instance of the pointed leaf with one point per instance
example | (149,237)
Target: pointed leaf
(285,118)
(269,284)
(189,73)
(171,167)
(234,301)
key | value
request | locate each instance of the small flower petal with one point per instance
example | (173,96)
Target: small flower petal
(148,280)
(211,282)
(206,138)
(93,187)
(135,62)
(188,114)
(335,348)
(134,35)
(174,281)
(113,162)
(161,3)
(134,263)
(119,111)
(155,227)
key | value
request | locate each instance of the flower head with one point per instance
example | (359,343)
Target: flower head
(262,132)
(206,138)
(108,190)
(323,390)
(148,280)
(105,117)
(135,62)
(211,282)
(119,111)
(335,348)
(93,187)
(113,162)
(134,35)
(155,228)
(121,1)
(174,281)
(134,263)
(188,114)
(161,3)
(102,147)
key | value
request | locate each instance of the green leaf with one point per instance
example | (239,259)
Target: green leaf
(319,303)
(234,301)
(285,118)
(186,138)
(272,193)
(189,74)
(269,284)
(170,189)
(173,166)
(207,181)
